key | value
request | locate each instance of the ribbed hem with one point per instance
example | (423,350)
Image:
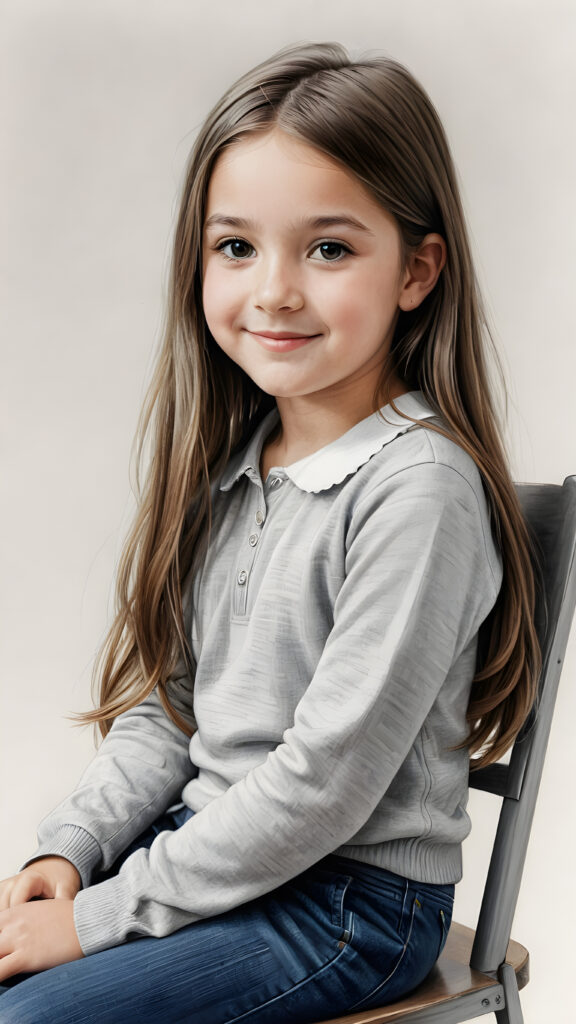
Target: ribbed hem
(76,845)
(431,862)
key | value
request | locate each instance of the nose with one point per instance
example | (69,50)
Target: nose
(277,287)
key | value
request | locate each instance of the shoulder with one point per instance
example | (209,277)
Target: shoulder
(425,485)
(424,460)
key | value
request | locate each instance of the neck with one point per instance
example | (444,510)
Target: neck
(309,422)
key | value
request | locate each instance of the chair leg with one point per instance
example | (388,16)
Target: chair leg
(512,1012)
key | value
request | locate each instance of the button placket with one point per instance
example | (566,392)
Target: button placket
(247,560)
(241,587)
(270,495)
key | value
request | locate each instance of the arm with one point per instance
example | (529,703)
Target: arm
(139,770)
(418,585)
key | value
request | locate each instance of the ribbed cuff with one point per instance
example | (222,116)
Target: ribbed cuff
(76,845)
(102,915)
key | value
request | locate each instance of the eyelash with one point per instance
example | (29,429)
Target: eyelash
(347,251)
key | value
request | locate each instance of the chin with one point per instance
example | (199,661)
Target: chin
(276,388)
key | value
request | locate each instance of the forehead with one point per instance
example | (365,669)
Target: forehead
(276,173)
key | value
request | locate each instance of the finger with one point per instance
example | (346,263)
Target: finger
(9,965)
(5,891)
(26,886)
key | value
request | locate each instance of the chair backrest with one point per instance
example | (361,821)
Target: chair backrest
(550,511)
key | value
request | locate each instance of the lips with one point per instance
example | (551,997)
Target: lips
(282,341)
(281,335)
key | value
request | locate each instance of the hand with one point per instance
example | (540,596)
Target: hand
(49,878)
(36,936)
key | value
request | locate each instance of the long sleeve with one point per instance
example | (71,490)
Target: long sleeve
(419,580)
(139,770)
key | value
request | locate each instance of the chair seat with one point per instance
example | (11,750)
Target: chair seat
(451,977)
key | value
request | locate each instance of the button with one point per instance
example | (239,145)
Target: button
(259,517)
(275,481)
(253,540)
(242,577)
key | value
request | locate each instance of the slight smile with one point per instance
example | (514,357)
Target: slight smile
(282,341)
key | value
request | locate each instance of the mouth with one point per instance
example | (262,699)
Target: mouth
(282,341)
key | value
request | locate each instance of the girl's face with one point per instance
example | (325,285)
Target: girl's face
(302,270)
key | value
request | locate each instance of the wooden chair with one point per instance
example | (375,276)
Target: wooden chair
(481,972)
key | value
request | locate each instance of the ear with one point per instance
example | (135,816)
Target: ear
(422,271)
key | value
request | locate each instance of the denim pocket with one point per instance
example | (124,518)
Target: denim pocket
(438,903)
(338,887)
(323,892)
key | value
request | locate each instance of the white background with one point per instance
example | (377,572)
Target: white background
(102,99)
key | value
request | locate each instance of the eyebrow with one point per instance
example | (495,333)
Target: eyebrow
(317,223)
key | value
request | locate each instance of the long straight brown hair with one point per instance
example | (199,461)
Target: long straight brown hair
(374,119)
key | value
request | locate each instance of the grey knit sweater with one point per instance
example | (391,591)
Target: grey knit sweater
(334,629)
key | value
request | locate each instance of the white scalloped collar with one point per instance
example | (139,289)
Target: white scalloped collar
(331,464)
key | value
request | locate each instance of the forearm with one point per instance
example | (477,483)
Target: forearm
(139,770)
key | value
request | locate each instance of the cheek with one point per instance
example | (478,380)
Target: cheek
(349,307)
(336,298)
(367,300)
(371,305)
(209,293)
(221,297)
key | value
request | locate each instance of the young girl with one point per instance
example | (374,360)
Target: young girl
(290,693)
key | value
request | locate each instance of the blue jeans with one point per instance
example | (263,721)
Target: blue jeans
(339,937)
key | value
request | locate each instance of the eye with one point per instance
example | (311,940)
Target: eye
(238,249)
(331,252)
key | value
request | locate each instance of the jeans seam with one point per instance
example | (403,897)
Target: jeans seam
(342,896)
(358,1004)
(309,977)
(403,903)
